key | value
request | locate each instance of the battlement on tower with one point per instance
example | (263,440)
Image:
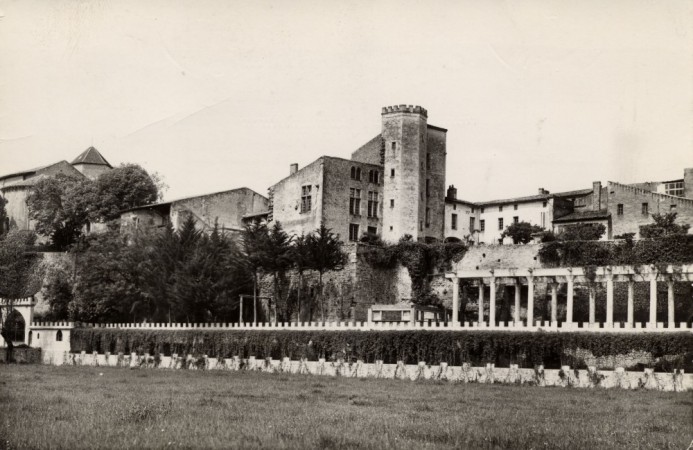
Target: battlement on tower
(405,109)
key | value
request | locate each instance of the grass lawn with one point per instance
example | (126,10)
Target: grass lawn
(85,407)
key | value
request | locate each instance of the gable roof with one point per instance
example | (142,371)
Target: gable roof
(91,156)
(578,216)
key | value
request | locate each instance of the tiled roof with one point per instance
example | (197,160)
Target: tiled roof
(91,156)
(529,198)
(576,193)
(584,215)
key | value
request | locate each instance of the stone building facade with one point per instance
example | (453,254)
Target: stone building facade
(392,186)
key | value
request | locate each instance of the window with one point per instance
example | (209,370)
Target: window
(392,203)
(544,204)
(482,225)
(373,176)
(453,222)
(392,172)
(619,209)
(59,335)
(372,204)
(472,209)
(672,208)
(394,147)
(356,173)
(516,219)
(306,198)
(353,232)
(482,210)
(420,225)
(454,206)
(515,207)
(355,201)
(645,209)
(428,217)
(500,208)
(500,223)
(428,160)
(674,188)
(428,187)
(471,224)
(372,231)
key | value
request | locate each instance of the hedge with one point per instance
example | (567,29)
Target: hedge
(454,347)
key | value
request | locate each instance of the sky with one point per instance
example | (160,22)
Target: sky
(214,95)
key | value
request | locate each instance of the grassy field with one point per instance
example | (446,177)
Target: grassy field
(84,407)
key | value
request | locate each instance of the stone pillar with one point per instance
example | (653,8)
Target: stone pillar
(653,301)
(631,295)
(670,303)
(609,299)
(530,300)
(569,306)
(592,306)
(518,292)
(455,301)
(554,302)
(481,301)
(240,312)
(370,316)
(412,315)
(492,303)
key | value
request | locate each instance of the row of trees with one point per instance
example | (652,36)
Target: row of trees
(62,205)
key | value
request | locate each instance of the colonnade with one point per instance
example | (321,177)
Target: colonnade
(570,276)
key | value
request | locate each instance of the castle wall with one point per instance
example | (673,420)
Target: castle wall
(463,212)
(371,152)
(286,199)
(533,212)
(434,194)
(633,199)
(227,207)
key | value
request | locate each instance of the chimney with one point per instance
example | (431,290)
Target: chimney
(688,182)
(596,195)
(543,191)
(452,192)
(293,168)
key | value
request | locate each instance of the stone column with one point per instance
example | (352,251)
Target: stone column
(631,295)
(609,299)
(653,301)
(455,301)
(481,301)
(670,303)
(592,306)
(569,306)
(554,302)
(492,303)
(530,300)
(240,313)
(518,292)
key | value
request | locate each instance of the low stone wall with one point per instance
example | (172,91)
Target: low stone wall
(565,377)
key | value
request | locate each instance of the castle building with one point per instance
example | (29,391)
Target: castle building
(394,185)
(15,187)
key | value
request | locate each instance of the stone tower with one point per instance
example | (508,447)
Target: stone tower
(414,174)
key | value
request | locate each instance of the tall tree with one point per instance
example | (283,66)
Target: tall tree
(664,225)
(582,232)
(124,187)
(277,261)
(60,207)
(326,254)
(300,256)
(254,244)
(4,225)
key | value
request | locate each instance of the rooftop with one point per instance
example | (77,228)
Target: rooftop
(91,156)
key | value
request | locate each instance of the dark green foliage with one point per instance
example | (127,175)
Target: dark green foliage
(664,225)
(421,261)
(670,249)
(454,347)
(521,232)
(582,232)
(20,271)
(124,187)
(4,225)
(326,254)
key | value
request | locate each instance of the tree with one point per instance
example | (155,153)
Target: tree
(59,205)
(124,187)
(254,244)
(300,256)
(664,225)
(326,254)
(521,232)
(277,260)
(582,232)
(20,277)
(4,225)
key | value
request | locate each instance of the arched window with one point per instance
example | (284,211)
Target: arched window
(358,174)
(353,173)
(59,335)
